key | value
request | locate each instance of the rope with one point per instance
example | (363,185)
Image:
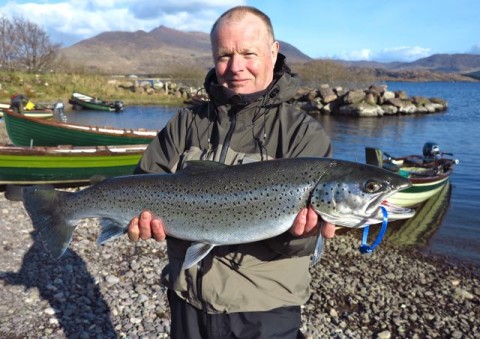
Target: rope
(365,248)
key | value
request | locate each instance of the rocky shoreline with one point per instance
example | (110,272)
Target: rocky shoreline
(115,290)
(374,101)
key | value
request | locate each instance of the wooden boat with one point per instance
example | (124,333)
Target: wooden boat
(25,131)
(33,113)
(79,101)
(65,164)
(429,173)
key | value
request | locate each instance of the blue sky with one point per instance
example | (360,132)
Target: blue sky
(344,29)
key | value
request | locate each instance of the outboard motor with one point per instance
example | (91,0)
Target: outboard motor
(430,151)
(58,107)
(118,105)
(58,110)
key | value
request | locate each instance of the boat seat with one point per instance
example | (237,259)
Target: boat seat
(374,156)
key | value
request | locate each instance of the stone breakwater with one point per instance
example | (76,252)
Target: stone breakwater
(115,290)
(371,102)
(374,101)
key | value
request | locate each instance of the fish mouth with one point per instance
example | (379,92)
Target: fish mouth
(375,203)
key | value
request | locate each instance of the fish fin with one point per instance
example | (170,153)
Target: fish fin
(111,229)
(97,178)
(43,205)
(201,166)
(319,246)
(195,253)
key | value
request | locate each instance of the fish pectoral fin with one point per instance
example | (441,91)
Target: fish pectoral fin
(195,253)
(111,229)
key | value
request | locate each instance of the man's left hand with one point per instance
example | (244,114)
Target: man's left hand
(306,222)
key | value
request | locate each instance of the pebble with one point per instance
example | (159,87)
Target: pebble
(113,291)
(384,335)
(111,279)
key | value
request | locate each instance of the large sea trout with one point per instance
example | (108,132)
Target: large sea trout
(212,204)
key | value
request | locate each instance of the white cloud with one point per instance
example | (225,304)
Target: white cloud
(403,54)
(475,49)
(70,21)
(363,54)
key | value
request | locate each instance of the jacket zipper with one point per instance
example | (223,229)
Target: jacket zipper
(223,156)
(228,137)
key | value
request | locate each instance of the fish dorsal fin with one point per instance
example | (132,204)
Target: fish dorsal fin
(97,178)
(195,253)
(201,166)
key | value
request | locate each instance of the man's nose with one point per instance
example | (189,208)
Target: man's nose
(237,63)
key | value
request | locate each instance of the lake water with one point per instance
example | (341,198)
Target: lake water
(457,232)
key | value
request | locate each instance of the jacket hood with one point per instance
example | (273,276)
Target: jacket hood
(282,88)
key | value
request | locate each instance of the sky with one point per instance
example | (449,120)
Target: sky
(372,30)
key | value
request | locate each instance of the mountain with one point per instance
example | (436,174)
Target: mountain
(165,51)
(444,63)
(156,52)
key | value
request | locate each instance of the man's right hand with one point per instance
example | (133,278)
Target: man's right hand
(145,227)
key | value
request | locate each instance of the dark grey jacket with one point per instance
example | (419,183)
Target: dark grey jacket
(236,129)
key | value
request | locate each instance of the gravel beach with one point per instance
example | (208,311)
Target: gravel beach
(115,291)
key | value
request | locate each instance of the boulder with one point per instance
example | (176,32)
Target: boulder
(372,98)
(389,109)
(402,95)
(327,95)
(361,110)
(403,106)
(388,95)
(354,97)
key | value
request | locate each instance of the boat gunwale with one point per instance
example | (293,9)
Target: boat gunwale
(100,130)
(69,150)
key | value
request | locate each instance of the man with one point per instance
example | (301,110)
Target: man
(249,290)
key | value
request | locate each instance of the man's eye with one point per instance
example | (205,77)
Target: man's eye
(223,58)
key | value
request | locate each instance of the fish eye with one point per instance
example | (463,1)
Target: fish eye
(372,186)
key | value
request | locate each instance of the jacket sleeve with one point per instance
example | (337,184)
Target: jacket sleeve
(163,153)
(306,137)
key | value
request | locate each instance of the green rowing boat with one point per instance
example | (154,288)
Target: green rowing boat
(25,131)
(63,165)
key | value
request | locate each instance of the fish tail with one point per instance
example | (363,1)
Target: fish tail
(43,205)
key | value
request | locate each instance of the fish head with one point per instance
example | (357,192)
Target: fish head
(350,194)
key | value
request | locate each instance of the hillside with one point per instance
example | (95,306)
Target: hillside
(443,63)
(165,50)
(158,51)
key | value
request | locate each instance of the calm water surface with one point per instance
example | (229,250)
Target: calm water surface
(457,233)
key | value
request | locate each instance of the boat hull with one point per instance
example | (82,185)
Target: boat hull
(91,103)
(428,175)
(24,131)
(39,114)
(418,193)
(25,165)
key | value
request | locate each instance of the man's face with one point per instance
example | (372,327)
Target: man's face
(244,54)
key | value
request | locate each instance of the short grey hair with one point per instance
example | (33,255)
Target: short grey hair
(239,12)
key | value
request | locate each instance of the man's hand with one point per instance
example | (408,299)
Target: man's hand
(305,224)
(145,227)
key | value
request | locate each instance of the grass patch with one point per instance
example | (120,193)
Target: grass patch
(50,88)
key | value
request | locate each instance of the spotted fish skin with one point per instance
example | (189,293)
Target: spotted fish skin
(212,204)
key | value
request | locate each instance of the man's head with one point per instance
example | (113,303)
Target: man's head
(244,50)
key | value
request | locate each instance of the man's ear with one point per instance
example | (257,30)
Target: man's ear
(275,49)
